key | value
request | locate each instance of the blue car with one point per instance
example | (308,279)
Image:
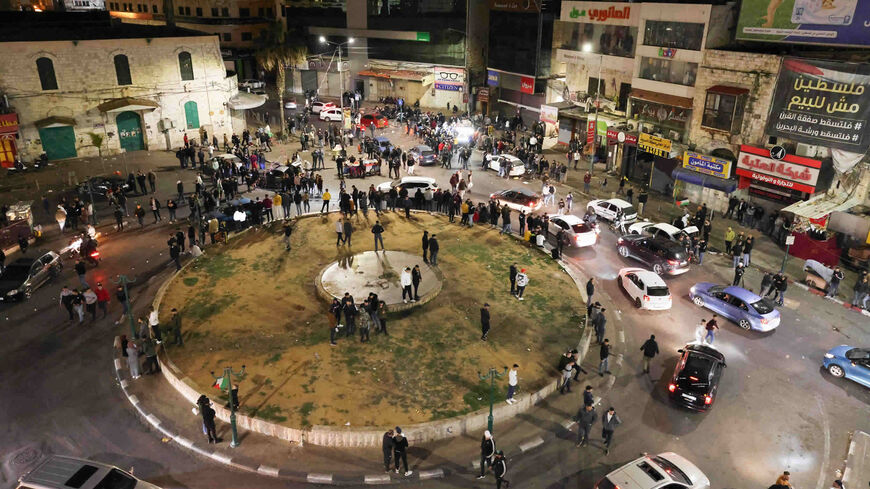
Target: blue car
(748,310)
(850,362)
(384,144)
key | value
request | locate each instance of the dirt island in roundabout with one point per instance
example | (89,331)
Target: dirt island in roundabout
(252,303)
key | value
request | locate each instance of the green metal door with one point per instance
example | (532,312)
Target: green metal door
(58,142)
(130,131)
(191,113)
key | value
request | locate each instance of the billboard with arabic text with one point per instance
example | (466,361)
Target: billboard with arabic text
(826,103)
(831,22)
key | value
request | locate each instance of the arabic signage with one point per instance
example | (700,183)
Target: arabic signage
(822,102)
(514,5)
(549,114)
(590,131)
(613,137)
(449,79)
(483,94)
(792,172)
(607,13)
(492,78)
(708,165)
(654,144)
(8,123)
(347,118)
(527,84)
(838,22)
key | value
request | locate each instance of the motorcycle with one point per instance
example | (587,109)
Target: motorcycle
(76,242)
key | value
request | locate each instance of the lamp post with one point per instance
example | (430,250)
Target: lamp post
(123,281)
(338,46)
(587,48)
(789,240)
(227,378)
(491,375)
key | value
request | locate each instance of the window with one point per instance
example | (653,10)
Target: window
(246,36)
(611,40)
(244,12)
(679,35)
(723,111)
(191,114)
(668,71)
(225,11)
(261,12)
(154,9)
(283,10)
(198,11)
(227,37)
(185,64)
(139,7)
(269,12)
(214,12)
(122,70)
(45,67)
(180,10)
(186,10)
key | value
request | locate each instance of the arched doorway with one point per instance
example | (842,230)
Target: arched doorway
(130,131)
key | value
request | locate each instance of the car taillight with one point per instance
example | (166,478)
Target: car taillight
(672,387)
(708,399)
(693,378)
(646,298)
(674,262)
(764,321)
(95,254)
(620,240)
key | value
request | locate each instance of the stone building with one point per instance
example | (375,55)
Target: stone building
(76,80)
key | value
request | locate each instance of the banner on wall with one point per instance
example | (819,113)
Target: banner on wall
(709,165)
(833,22)
(654,144)
(449,79)
(527,85)
(549,114)
(790,172)
(822,102)
(492,78)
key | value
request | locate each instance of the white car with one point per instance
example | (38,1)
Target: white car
(662,230)
(665,470)
(516,166)
(220,158)
(580,234)
(645,288)
(58,472)
(518,199)
(290,104)
(317,106)
(411,183)
(331,114)
(252,84)
(608,209)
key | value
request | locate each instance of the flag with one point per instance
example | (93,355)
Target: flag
(221,383)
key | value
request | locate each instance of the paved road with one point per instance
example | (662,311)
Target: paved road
(776,409)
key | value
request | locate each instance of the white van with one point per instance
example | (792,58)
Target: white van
(58,472)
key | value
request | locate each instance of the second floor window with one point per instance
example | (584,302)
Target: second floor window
(678,35)
(214,12)
(247,36)
(724,111)
(244,12)
(47,80)
(122,70)
(185,64)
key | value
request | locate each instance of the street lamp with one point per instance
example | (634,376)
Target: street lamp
(587,48)
(491,375)
(123,281)
(338,46)
(225,382)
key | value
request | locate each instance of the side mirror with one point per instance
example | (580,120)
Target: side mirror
(681,351)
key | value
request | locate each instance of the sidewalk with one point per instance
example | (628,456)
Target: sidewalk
(858,461)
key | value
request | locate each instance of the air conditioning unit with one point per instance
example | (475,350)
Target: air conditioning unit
(806,150)
(164,125)
(632,124)
(673,135)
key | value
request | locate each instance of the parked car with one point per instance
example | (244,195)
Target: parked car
(423,155)
(696,377)
(59,472)
(849,362)
(580,233)
(608,209)
(378,120)
(100,187)
(290,103)
(663,471)
(645,288)
(332,114)
(518,199)
(742,306)
(662,230)
(662,255)
(516,167)
(384,144)
(410,183)
(252,84)
(319,105)
(24,275)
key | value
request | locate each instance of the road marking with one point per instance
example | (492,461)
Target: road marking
(567,424)
(618,314)
(183,441)
(534,442)
(134,399)
(596,400)
(320,478)
(265,469)
(370,479)
(826,426)
(431,474)
(622,336)
(117,364)
(124,384)
(153,420)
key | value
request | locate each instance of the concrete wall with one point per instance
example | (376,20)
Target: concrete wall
(86,78)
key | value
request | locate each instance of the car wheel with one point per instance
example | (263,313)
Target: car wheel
(658,268)
(698,301)
(836,370)
(637,303)
(744,324)
(623,251)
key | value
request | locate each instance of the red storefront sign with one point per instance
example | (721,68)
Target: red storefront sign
(527,84)
(613,137)
(590,131)
(791,172)
(8,123)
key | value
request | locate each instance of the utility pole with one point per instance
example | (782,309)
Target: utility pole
(225,382)
(123,281)
(491,375)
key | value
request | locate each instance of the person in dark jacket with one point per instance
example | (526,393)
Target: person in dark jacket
(834,284)
(487,453)
(378,231)
(208,415)
(590,291)
(416,278)
(425,246)
(433,250)
(738,273)
(588,396)
(484,321)
(766,284)
(387,446)
(609,421)
(650,349)
(604,355)
(499,468)
(585,418)
(781,284)
(400,451)
(512,275)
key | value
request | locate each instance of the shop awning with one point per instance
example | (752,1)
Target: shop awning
(662,98)
(708,181)
(245,100)
(395,74)
(724,89)
(55,121)
(821,205)
(127,103)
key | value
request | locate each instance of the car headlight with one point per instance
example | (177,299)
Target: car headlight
(828,356)
(692,289)
(11,292)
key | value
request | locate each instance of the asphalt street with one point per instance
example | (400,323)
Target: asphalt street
(776,409)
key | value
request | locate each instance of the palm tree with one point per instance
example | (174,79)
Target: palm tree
(279,50)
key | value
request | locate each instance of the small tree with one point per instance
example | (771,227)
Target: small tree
(97,140)
(279,50)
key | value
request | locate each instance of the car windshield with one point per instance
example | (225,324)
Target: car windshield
(763,306)
(678,254)
(16,272)
(517,162)
(672,470)
(858,354)
(657,291)
(116,479)
(605,484)
(427,152)
(629,210)
(697,370)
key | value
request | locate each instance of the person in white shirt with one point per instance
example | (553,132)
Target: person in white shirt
(522,282)
(512,384)
(195,251)
(154,324)
(405,279)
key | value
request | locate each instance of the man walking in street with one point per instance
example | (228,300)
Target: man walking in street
(512,274)
(738,273)
(522,282)
(405,280)
(650,349)
(484,321)
(590,291)
(512,383)
(599,324)
(102,299)
(339,231)
(487,453)
(834,285)
(348,231)
(604,354)
(585,418)
(325,197)
(780,283)
(609,423)
(175,324)
(378,231)
(766,284)
(711,326)
(400,448)
(387,446)
(425,246)
(433,250)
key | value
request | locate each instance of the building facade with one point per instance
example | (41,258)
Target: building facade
(128,88)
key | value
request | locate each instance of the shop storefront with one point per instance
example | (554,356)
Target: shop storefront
(653,163)
(774,176)
(704,179)
(621,147)
(8,131)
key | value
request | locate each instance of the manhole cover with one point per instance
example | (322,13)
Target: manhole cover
(26,456)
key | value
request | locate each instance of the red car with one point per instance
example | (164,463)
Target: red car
(378,120)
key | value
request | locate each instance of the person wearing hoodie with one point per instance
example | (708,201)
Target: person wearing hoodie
(487,453)
(400,451)
(499,468)
(387,445)
(585,418)
(522,282)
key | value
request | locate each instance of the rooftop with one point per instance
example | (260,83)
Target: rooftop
(79,26)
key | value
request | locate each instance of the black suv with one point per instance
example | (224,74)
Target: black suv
(662,255)
(696,377)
